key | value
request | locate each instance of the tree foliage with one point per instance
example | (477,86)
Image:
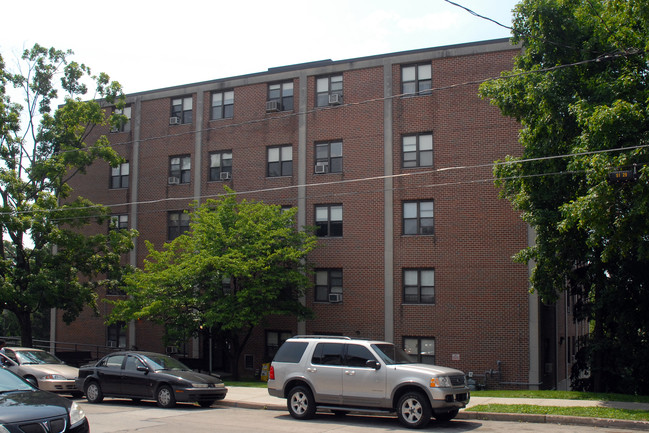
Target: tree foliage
(240,263)
(579,89)
(46,261)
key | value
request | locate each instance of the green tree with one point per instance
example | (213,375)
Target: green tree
(579,89)
(239,264)
(47,261)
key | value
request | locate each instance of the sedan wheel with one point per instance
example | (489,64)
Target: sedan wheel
(94,393)
(32,380)
(165,397)
(413,410)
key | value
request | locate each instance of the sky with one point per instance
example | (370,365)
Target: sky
(148,45)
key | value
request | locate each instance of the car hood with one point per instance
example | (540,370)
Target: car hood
(39,370)
(435,370)
(30,405)
(193,376)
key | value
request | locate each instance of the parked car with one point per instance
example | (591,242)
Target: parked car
(148,376)
(25,408)
(341,374)
(41,369)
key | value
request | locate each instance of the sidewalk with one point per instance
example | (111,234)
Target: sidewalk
(258,398)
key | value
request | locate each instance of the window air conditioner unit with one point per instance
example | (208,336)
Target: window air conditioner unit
(226,175)
(172,349)
(173,180)
(335,99)
(174,120)
(273,106)
(335,297)
(321,167)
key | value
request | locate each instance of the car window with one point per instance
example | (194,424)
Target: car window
(11,382)
(132,363)
(290,352)
(10,354)
(357,356)
(391,354)
(114,361)
(36,357)
(164,362)
(328,354)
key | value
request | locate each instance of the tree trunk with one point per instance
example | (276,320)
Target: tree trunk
(598,331)
(25,322)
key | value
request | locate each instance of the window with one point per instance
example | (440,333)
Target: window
(417,150)
(125,122)
(418,218)
(274,339)
(226,286)
(419,286)
(221,165)
(222,105)
(328,354)
(329,157)
(180,168)
(114,361)
(357,356)
(181,108)
(282,93)
(119,176)
(326,87)
(327,281)
(132,363)
(416,79)
(118,222)
(329,220)
(177,224)
(116,337)
(280,161)
(421,348)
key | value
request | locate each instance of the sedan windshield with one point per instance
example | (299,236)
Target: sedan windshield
(391,354)
(10,382)
(36,357)
(163,362)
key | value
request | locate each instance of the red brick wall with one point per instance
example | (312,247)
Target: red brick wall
(481,301)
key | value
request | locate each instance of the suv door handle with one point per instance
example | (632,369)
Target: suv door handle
(350,372)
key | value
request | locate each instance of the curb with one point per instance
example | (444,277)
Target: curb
(556,419)
(491,416)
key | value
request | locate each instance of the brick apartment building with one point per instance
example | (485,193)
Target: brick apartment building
(390,156)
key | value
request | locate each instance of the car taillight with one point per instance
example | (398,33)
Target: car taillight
(271,373)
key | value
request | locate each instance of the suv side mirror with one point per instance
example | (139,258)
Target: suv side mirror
(373,364)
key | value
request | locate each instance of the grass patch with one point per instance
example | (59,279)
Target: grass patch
(592,412)
(566,395)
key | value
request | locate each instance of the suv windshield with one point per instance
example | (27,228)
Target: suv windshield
(391,354)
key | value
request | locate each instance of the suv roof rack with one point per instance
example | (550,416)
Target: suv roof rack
(337,337)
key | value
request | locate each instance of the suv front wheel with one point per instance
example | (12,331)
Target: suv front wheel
(413,410)
(300,403)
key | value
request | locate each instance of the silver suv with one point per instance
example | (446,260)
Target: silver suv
(342,374)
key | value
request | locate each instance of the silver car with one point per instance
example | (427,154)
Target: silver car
(340,374)
(42,369)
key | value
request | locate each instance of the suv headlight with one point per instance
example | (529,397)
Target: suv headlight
(440,382)
(76,414)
